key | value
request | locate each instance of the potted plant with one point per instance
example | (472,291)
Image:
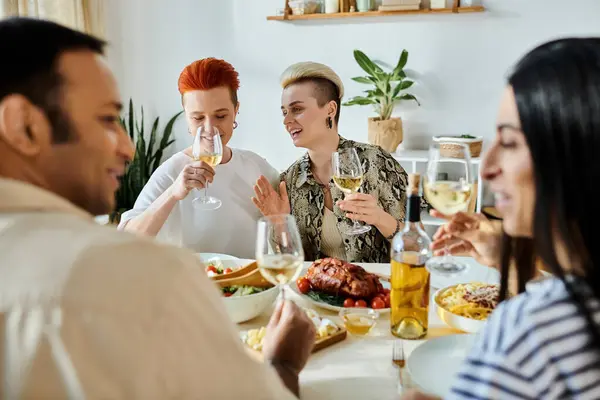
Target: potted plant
(449,146)
(387,90)
(148,156)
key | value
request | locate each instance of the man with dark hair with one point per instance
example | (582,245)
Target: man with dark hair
(85,310)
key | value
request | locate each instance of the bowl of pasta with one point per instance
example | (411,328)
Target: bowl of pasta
(466,306)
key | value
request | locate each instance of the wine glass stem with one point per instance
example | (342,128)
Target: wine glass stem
(206,190)
(447,255)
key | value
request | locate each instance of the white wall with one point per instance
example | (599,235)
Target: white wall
(151,41)
(459,60)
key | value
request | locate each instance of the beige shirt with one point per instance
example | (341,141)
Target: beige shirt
(332,243)
(137,320)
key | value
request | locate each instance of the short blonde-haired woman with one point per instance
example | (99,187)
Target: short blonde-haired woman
(311,105)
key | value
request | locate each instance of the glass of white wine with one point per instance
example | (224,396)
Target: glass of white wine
(279,253)
(348,176)
(448,187)
(207,147)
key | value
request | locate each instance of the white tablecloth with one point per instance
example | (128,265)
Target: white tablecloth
(361,367)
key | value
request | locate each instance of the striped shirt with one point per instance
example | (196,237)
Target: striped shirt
(534,346)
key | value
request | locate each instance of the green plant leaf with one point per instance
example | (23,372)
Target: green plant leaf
(408,97)
(397,90)
(151,142)
(401,62)
(366,64)
(398,76)
(363,79)
(405,84)
(131,124)
(147,155)
(165,140)
(374,93)
(359,101)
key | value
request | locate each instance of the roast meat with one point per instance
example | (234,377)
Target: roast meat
(340,278)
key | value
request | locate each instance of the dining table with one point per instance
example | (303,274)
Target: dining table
(360,367)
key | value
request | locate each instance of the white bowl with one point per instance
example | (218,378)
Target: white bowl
(226,260)
(455,321)
(245,308)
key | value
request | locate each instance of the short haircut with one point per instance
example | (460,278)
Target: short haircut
(328,85)
(30,50)
(209,73)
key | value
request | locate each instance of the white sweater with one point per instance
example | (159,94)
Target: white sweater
(231,229)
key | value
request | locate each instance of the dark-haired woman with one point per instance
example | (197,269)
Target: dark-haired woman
(311,99)
(544,169)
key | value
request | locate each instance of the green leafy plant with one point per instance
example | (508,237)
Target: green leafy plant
(333,300)
(387,88)
(149,151)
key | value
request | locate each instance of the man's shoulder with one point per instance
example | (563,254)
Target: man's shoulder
(110,240)
(104,244)
(76,258)
(123,262)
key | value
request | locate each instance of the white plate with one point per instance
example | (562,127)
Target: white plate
(434,364)
(475,273)
(326,306)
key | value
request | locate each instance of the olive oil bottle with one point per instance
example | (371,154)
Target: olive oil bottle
(410,278)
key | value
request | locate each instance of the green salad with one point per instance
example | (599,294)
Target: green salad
(243,290)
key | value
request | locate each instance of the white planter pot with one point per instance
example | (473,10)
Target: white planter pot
(437,4)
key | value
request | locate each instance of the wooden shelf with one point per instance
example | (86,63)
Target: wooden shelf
(458,10)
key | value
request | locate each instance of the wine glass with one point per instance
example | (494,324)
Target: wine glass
(348,176)
(279,253)
(448,187)
(207,147)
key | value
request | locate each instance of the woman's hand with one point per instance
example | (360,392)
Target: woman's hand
(364,207)
(268,201)
(469,234)
(193,176)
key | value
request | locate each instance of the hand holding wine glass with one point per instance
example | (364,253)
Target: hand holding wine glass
(279,253)
(469,234)
(448,187)
(207,147)
(348,176)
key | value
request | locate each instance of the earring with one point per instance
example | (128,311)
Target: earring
(235,124)
(329,122)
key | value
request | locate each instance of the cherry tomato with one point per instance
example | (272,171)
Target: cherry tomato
(227,271)
(387,300)
(303,286)
(227,294)
(360,303)
(386,291)
(300,280)
(377,303)
(349,303)
(211,268)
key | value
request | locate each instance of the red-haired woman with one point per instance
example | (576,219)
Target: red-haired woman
(164,209)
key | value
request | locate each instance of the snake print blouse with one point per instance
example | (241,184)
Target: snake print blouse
(384,178)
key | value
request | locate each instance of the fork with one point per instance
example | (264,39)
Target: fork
(398,359)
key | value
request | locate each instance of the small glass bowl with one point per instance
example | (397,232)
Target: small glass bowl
(359,321)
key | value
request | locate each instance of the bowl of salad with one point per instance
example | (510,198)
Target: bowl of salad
(244,303)
(217,264)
